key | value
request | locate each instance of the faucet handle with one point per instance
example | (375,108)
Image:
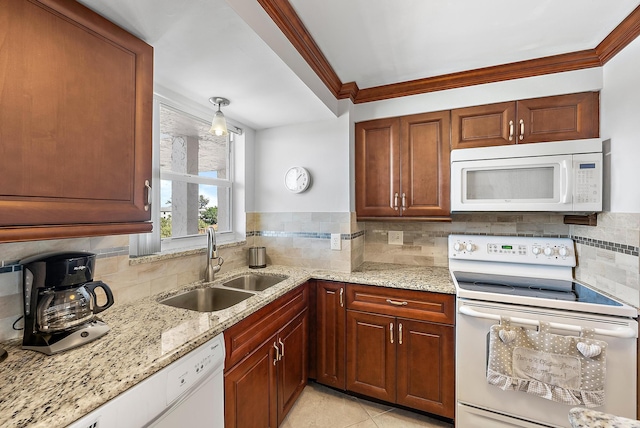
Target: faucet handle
(220,261)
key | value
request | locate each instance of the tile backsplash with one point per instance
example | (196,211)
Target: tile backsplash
(607,254)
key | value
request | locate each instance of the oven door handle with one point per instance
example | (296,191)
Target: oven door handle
(624,333)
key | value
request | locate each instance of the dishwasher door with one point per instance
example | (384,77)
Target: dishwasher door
(187,393)
(201,407)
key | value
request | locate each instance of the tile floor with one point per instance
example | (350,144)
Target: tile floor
(322,407)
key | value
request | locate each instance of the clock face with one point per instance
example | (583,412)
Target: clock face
(297,179)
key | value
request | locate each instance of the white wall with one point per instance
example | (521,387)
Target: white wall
(322,148)
(620,122)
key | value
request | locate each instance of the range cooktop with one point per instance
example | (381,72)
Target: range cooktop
(531,287)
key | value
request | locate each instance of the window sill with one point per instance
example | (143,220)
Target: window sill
(176,254)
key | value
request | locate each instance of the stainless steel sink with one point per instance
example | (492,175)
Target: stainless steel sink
(207,299)
(254,282)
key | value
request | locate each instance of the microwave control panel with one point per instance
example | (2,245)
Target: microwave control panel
(588,178)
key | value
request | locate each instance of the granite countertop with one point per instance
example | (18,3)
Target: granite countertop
(53,391)
(586,418)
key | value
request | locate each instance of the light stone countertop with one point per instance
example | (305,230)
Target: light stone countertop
(587,418)
(53,391)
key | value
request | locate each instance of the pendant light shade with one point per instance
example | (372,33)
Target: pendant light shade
(219,123)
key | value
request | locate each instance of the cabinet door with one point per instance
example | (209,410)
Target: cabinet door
(371,355)
(424,149)
(425,371)
(292,367)
(330,332)
(250,390)
(76,115)
(482,126)
(563,117)
(377,168)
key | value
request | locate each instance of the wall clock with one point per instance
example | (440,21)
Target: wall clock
(297,179)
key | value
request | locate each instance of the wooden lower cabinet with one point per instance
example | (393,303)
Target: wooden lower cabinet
(250,391)
(330,334)
(425,367)
(269,358)
(371,357)
(400,347)
(292,367)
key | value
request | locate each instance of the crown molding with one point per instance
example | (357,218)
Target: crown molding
(286,18)
(620,37)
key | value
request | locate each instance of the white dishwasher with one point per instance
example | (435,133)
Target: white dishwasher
(188,392)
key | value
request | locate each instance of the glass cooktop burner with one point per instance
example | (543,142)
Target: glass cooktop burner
(531,287)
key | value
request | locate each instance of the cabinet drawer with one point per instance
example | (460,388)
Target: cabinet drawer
(418,305)
(244,337)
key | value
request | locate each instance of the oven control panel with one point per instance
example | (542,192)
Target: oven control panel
(514,249)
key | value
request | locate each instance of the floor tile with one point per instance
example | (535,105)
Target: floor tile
(322,407)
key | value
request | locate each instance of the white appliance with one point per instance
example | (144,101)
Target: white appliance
(187,393)
(562,176)
(530,280)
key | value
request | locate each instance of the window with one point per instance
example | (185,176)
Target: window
(194,175)
(195,188)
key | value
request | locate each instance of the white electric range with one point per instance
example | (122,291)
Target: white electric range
(529,280)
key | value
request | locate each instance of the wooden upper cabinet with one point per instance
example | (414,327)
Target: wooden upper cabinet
(481,126)
(377,167)
(76,114)
(402,166)
(424,148)
(556,118)
(565,117)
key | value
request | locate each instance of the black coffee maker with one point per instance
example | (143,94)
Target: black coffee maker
(60,301)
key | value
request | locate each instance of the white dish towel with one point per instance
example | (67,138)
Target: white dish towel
(567,369)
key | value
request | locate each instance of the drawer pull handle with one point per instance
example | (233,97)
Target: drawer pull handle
(511,130)
(281,344)
(342,297)
(400,333)
(147,187)
(396,303)
(275,345)
(395,202)
(391,331)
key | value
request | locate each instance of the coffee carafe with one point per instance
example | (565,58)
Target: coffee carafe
(60,301)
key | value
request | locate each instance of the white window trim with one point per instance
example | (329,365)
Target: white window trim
(151,243)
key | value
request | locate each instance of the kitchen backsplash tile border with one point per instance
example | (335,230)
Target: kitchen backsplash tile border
(311,235)
(607,245)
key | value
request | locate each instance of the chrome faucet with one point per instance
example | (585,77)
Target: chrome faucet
(212,254)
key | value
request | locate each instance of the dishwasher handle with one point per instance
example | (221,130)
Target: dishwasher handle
(623,333)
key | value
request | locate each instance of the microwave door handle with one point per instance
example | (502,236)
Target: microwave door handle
(565,182)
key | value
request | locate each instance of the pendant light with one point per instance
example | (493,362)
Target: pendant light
(219,124)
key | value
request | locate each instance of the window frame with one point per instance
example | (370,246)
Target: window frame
(150,243)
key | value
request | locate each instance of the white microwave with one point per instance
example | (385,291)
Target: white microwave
(562,176)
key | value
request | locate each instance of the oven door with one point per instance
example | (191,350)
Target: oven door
(482,404)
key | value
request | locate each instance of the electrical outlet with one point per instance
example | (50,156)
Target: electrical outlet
(396,237)
(336,243)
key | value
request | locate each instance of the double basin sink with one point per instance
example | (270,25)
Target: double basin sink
(224,296)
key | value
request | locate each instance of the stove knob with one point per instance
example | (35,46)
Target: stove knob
(563,251)
(457,246)
(470,247)
(548,251)
(536,250)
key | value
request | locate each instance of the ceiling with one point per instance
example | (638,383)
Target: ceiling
(231,48)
